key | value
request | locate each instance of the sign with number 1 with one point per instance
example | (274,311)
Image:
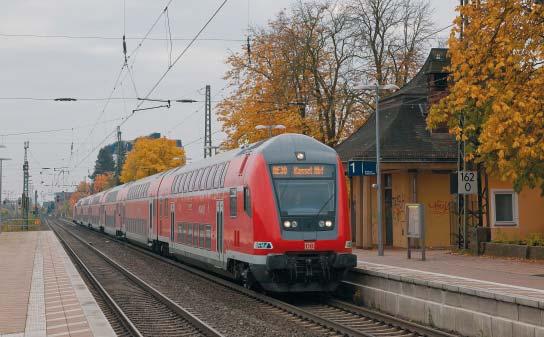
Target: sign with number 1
(467,182)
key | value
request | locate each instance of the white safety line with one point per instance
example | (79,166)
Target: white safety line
(35,317)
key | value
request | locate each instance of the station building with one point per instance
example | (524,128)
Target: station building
(416,168)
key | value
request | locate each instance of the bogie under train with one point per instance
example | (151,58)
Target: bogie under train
(273,214)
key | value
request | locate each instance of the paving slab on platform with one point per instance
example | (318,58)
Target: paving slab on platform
(41,292)
(513,280)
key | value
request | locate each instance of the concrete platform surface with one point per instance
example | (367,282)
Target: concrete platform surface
(511,278)
(41,292)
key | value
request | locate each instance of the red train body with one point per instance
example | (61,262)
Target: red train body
(273,213)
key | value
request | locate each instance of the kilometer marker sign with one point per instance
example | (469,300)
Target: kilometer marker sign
(467,182)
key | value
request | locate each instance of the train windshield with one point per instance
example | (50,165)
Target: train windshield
(304,189)
(305,197)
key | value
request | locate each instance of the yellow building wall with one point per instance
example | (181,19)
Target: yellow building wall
(530,213)
(433,191)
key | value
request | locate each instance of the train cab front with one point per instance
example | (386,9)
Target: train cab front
(313,246)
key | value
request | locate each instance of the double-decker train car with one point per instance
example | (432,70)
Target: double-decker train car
(272,214)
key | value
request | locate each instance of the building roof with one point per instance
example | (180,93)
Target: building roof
(403,131)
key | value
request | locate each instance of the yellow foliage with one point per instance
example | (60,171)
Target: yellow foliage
(83,189)
(295,78)
(498,75)
(103,182)
(151,156)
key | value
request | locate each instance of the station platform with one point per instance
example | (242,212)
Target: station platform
(506,276)
(467,295)
(41,292)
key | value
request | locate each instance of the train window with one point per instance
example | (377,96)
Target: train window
(209,181)
(217,178)
(202,236)
(208,237)
(233,202)
(189,233)
(203,181)
(247,201)
(196,186)
(174,187)
(186,181)
(224,174)
(195,235)
(180,183)
(192,182)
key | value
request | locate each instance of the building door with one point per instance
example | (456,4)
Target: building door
(219,228)
(388,202)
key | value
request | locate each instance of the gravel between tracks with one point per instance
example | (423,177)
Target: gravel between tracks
(228,311)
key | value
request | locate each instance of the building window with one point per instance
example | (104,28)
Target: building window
(505,208)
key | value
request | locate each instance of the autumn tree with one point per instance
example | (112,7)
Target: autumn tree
(302,70)
(495,103)
(150,156)
(83,189)
(393,37)
(104,162)
(103,182)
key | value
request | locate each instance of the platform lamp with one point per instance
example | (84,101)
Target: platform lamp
(1,161)
(378,186)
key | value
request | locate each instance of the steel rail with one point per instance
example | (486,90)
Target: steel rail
(289,308)
(192,319)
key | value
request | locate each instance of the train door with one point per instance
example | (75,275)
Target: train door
(219,228)
(101,216)
(172,222)
(122,216)
(151,216)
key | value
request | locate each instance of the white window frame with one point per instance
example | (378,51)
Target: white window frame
(515,212)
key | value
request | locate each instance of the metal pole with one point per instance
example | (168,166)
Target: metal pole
(378,174)
(1,195)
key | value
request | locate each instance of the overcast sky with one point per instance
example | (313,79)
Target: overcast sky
(36,67)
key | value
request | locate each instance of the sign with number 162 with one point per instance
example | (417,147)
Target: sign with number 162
(467,182)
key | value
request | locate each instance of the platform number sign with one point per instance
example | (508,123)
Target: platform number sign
(467,182)
(361,168)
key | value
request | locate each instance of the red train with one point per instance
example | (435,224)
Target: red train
(272,214)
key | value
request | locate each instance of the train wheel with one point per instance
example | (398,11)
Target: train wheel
(248,281)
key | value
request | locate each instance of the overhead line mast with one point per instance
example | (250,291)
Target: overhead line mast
(208,124)
(25,201)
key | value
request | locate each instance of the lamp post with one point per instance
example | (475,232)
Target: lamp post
(1,161)
(378,185)
(270,128)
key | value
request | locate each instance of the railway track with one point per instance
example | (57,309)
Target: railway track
(326,316)
(143,310)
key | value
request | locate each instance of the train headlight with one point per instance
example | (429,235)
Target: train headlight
(300,155)
(294,224)
(328,224)
(287,224)
(321,223)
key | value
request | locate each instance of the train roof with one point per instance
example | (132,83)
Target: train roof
(281,148)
